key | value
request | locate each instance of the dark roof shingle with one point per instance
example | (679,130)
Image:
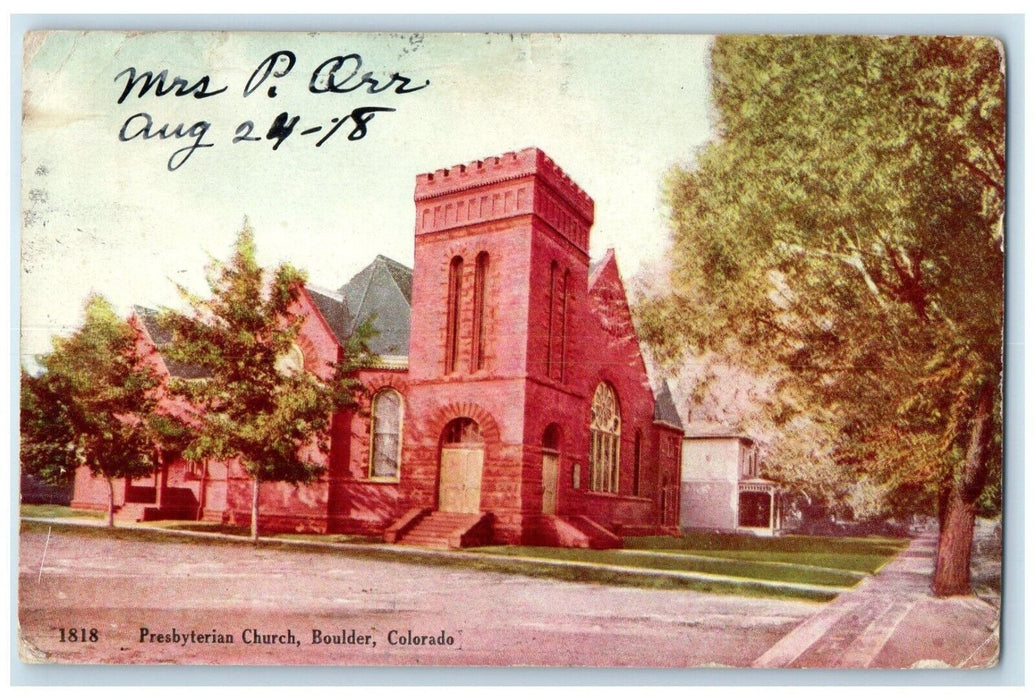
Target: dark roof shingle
(665,407)
(334,311)
(162,337)
(381,291)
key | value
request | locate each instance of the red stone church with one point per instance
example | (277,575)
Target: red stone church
(509,402)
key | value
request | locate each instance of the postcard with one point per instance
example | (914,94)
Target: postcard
(591,350)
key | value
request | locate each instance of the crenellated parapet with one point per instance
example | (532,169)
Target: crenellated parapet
(512,184)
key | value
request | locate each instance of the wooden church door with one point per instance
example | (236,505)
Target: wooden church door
(550,483)
(460,468)
(460,484)
(551,466)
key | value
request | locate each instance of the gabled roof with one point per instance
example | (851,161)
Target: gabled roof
(595,266)
(161,337)
(335,312)
(665,408)
(381,291)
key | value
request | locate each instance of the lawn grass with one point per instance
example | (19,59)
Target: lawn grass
(784,543)
(52,511)
(747,569)
(805,560)
(47,510)
(858,554)
(157,535)
(332,539)
(200,526)
(781,567)
(860,563)
(246,531)
(512,565)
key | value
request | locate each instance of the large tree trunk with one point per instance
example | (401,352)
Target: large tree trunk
(952,569)
(255,508)
(111,502)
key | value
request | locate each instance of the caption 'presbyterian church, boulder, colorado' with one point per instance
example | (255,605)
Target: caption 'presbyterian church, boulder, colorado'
(509,403)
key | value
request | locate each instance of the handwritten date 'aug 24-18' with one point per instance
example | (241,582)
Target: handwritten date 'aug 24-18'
(336,75)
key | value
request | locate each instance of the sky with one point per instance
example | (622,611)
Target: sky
(105,210)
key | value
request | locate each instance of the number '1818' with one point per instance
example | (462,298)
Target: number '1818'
(78,634)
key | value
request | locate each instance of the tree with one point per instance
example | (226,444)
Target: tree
(47,448)
(92,405)
(252,406)
(844,231)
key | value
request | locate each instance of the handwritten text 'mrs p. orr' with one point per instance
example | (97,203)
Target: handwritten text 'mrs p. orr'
(336,75)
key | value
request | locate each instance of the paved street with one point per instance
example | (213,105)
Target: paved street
(205,603)
(121,586)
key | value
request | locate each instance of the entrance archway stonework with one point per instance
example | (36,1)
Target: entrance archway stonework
(487,424)
(463,456)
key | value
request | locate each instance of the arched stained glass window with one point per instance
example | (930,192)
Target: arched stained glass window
(605,428)
(386,438)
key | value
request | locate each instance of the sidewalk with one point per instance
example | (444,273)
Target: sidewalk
(891,620)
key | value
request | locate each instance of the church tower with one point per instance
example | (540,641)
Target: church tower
(490,235)
(501,266)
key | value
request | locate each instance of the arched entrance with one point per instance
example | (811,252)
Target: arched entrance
(460,467)
(551,464)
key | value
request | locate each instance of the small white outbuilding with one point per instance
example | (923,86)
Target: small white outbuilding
(722,489)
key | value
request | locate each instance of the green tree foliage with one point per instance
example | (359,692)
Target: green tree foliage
(92,405)
(252,406)
(843,234)
(47,448)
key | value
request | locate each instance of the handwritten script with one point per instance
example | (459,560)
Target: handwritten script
(338,75)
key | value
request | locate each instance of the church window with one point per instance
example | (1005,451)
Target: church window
(605,429)
(462,431)
(549,321)
(453,314)
(637,461)
(564,326)
(481,267)
(386,429)
(292,361)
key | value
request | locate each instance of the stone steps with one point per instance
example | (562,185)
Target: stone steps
(436,529)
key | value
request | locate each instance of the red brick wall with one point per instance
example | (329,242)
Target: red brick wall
(526,214)
(669,451)
(515,208)
(91,493)
(318,344)
(610,352)
(227,488)
(356,502)
(506,292)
